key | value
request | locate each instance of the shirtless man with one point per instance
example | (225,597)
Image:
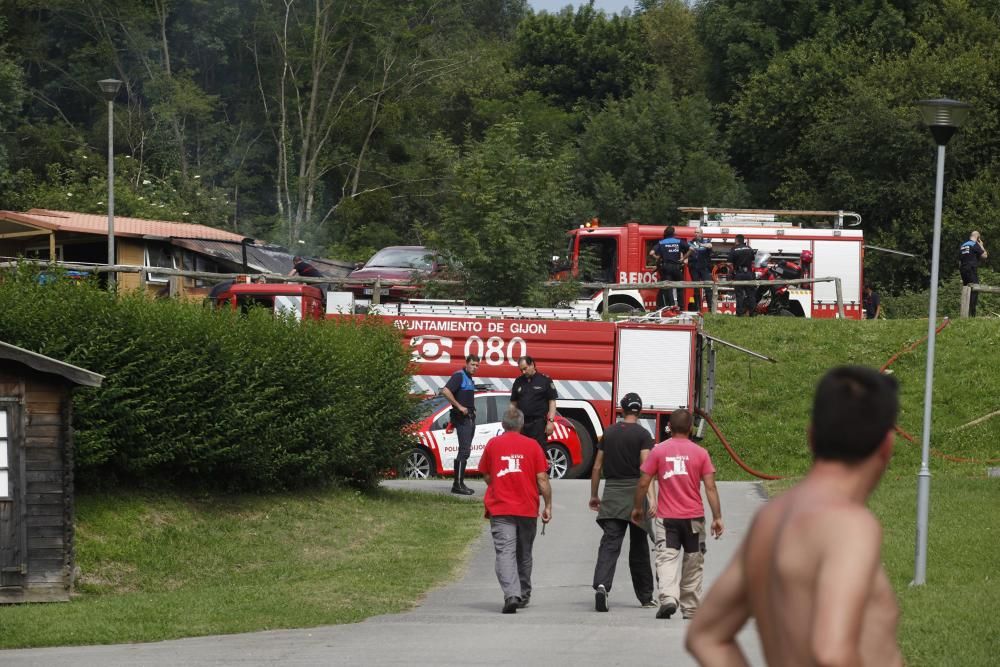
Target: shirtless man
(809,571)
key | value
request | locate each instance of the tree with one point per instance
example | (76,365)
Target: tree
(330,74)
(644,156)
(582,58)
(674,45)
(11,98)
(508,202)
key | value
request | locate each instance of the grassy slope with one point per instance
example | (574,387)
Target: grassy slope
(763,410)
(159,567)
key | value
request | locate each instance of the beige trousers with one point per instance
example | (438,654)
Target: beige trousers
(679,579)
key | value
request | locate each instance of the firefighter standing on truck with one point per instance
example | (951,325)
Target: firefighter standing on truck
(700,267)
(670,254)
(534,394)
(461,393)
(741,257)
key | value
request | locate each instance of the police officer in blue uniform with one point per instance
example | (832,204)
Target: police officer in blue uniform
(700,267)
(741,257)
(969,254)
(460,391)
(670,254)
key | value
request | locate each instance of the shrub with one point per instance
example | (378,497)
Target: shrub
(916,304)
(213,399)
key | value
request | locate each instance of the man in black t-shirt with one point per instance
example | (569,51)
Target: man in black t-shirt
(534,394)
(460,391)
(741,257)
(300,267)
(872,303)
(619,454)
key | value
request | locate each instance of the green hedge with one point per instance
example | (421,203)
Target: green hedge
(203,398)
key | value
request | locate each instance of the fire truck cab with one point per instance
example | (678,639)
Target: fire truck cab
(621,255)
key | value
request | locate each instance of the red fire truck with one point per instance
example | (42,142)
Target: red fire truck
(592,362)
(669,362)
(620,255)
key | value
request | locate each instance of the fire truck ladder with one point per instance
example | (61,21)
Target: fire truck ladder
(448,310)
(454,310)
(734,217)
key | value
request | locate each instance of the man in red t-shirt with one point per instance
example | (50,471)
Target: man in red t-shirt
(515,471)
(680,466)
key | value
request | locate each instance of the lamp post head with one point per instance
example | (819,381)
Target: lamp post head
(943,117)
(109,88)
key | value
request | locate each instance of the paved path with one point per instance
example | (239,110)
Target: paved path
(461,623)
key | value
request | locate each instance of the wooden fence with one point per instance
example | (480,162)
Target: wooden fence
(967,291)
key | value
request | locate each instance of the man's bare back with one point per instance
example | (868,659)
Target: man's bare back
(810,571)
(812,567)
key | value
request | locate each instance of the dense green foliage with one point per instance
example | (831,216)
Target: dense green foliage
(348,126)
(200,398)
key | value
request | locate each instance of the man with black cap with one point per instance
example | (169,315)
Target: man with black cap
(741,257)
(619,454)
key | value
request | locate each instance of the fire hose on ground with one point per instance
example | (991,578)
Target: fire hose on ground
(736,458)
(732,453)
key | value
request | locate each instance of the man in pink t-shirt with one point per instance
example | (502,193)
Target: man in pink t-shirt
(516,472)
(679,466)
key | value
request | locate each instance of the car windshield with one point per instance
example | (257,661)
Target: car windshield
(431,405)
(402,258)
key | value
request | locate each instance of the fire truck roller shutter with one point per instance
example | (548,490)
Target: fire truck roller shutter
(841,259)
(656,364)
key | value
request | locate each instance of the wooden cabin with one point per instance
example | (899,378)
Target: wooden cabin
(36,475)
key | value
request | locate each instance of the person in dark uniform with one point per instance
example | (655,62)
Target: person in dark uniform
(460,391)
(623,449)
(534,394)
(741,257)
(969,254)
(670,254)
(300,267)
(872,303)
(700,267)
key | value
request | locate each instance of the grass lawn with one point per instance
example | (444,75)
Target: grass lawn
(951,620)
(158,567)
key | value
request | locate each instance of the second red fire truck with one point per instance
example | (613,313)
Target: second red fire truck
(620,255)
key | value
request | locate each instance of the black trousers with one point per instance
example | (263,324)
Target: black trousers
(701,273)
(534,427)
(970,276)
(465,429)
(666,296)
(746,297)
(638,557)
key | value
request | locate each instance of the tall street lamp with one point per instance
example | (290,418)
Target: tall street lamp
(943,117)
(109,88)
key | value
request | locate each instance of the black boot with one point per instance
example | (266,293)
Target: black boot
(458,486)
(461,482)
